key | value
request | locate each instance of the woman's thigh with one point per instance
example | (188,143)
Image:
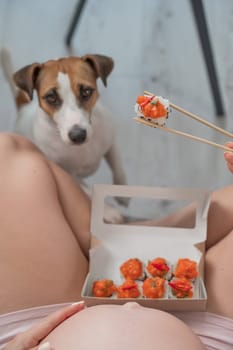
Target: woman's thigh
(41,261)
(218,277)
(220,218)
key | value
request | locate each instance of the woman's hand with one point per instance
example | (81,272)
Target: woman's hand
(30,339)
(229,156)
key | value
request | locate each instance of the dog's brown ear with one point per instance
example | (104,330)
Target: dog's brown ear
(25,78)
(102,65)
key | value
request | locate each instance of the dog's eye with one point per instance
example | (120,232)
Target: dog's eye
(52,98)
(85,92)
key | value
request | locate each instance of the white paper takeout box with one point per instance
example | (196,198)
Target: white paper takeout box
(118,243)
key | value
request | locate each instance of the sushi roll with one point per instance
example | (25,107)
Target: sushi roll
(158,267)
(154,287)
(103,288)
(129,289)
(181,288)
(132,269)
(186,268)
(153,108)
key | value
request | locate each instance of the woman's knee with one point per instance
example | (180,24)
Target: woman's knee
(14,148)
(10,143)
(21,161)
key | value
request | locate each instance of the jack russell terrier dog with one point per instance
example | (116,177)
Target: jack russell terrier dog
(64,120)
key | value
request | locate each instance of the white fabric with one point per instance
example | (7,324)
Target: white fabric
(215,332)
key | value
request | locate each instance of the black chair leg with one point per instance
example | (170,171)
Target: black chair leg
(74,21)
(199,15)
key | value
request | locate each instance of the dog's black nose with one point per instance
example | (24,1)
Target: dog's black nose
(77,134)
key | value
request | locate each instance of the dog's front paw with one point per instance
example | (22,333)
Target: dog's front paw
(119,179)
(112,215)
(123,201)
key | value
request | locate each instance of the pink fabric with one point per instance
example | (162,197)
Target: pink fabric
(215,332)
(14,323)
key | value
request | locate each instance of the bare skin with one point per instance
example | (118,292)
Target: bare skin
(44,218)
(132,327)
(44,235)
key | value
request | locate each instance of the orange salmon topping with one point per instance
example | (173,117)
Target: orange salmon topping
(150,107)
(132,269)
(181,288)
(186,268)
(129,289)
(103,288)
(143,99)
(157,267)
(153,287)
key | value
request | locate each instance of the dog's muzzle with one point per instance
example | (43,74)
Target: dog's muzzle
(77,135)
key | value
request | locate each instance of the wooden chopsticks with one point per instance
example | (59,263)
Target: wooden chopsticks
(194,116)
(180,133)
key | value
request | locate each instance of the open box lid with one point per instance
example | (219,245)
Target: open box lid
(111,232)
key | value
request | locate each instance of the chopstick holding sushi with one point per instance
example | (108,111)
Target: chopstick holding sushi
(194,116)
(153,111)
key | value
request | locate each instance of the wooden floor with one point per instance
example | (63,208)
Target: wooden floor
(155,47)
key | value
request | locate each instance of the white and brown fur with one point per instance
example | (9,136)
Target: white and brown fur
(64,119)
